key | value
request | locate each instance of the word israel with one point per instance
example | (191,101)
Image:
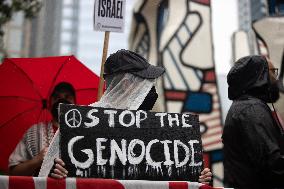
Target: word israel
(125,153)
(110,8)
(126,118)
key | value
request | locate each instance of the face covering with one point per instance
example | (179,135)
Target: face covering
(54,108)
(149,100)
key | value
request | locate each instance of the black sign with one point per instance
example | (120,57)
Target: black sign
(124,144)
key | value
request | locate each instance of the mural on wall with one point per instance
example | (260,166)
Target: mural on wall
(177,35)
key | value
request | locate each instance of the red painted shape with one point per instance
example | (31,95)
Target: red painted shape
(175,95)
(205,2)
(209,76)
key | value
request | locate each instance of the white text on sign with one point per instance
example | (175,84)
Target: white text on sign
(134,119)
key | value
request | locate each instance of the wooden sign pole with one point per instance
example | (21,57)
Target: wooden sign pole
(101,84)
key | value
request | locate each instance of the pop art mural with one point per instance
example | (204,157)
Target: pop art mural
(178,36)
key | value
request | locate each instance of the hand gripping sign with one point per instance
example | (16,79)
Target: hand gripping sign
(127,144)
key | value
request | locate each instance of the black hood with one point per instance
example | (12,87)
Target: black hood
(249,76)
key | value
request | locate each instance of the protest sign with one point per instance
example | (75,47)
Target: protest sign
(128,144)
(109,15)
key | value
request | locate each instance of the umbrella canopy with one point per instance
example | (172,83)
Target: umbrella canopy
(26,84)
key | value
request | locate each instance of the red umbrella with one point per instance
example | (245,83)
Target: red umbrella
(26,84)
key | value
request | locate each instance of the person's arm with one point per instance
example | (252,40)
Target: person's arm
(28,167)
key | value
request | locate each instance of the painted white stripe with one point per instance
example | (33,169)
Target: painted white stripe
(167,83)
(213,138)
(174,106)
(40,182)
(207,142)
(71,183)
(213,122)
(216,105)
(208,86)
(194,185)
(181,33)
(143,184)
(215,99)
(172,70)
(213,147)
(188,74)
(211,90)
(4,182)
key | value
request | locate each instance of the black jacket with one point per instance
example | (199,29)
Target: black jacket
(253,141)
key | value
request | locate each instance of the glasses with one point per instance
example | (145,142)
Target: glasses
(274,71)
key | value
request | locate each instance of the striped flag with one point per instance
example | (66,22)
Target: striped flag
(23,182)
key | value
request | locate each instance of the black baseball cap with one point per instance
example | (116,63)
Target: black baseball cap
(125,61)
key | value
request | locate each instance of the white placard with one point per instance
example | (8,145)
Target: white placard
(109,15)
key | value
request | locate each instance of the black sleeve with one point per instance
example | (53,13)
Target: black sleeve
(259,134)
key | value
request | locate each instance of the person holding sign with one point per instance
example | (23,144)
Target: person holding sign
(28,155)
(253,139)
(130,82)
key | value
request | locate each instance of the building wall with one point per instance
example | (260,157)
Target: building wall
(250,11)
(53,32)
(244,12)
(45,30)
(14,35)
(70,27)
(258,9)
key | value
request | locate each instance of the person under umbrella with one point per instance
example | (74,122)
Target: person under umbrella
(28,155)
(26,87)
(130,82)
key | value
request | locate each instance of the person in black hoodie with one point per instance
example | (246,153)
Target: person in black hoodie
(253,139)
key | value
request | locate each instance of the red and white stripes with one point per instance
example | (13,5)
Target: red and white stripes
(23,182)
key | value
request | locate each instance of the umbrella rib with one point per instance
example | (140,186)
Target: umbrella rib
(19,114)
(56,75)
(27,77)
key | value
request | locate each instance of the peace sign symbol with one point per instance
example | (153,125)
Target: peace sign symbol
(73,118)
